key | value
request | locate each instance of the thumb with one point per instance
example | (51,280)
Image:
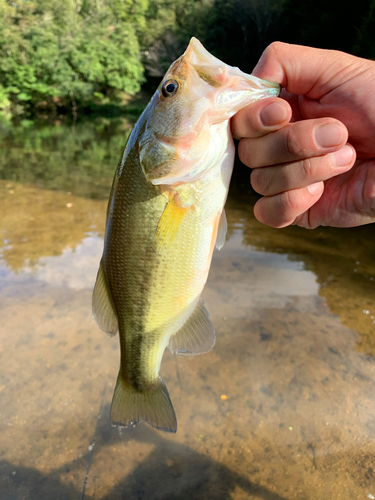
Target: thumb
(306,70)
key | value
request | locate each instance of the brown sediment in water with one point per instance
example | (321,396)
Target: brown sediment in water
(297,420)
(39,223)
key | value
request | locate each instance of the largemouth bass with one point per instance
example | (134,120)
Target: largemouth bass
(164,217)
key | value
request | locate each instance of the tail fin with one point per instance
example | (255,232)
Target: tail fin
(130,406)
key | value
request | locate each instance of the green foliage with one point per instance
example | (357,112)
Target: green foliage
(55,53)
(236,31)
(58,56)
(365,43)
(328,25)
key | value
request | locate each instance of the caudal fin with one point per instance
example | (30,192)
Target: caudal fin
(130,406)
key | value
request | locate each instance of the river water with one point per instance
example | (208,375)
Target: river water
(282,408)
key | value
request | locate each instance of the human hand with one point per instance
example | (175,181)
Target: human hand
(313,149)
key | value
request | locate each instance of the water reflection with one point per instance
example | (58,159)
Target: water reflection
(37,223)
(282,407)
(341,259)
(79,159)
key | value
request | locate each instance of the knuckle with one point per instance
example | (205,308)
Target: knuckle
(274,49)
(289,202)
(307,168)
(293,143)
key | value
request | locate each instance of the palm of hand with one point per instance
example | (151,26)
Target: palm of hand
(348,199)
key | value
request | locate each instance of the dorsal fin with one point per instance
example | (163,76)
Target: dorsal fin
(102,305)
(196,336)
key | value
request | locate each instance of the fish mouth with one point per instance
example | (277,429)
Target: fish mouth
(201,59)
(200,55)
(233,89)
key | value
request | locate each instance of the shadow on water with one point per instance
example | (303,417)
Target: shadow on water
(190,476)
(175,471)
(26,483)
(170,471)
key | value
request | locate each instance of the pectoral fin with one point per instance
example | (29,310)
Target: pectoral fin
(102,305)
(170,222)
(196,336)
(222,231)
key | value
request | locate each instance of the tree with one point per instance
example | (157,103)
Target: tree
(327,25)
(57,53)
(365,42)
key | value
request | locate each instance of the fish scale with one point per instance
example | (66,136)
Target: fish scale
(164,216)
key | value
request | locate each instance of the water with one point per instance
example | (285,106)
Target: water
(283,407)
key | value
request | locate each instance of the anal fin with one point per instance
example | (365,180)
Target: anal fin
(102,305)
(196,336)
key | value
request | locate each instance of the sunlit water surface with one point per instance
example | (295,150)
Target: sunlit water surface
(283,407)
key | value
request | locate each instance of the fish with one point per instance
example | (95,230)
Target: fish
(165,216)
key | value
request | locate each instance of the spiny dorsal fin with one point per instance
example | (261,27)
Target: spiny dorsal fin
(170,222)
(102,305)
(222,231)
(196,336)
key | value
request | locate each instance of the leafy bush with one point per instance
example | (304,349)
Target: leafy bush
(55,53)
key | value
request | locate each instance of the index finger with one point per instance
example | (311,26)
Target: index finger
(261,118)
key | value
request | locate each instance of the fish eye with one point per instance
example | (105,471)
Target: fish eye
(169,88)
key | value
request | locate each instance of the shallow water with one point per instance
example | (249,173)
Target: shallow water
(282,408)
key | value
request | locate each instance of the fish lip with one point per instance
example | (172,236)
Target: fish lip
(201,56)
(261,84)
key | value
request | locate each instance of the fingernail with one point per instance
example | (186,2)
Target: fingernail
(329,135)
(342,157)
(273,114)
(316,188)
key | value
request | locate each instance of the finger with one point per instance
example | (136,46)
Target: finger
(305,70)
(283,209)
(269,181)
(260,118)
(295,141)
